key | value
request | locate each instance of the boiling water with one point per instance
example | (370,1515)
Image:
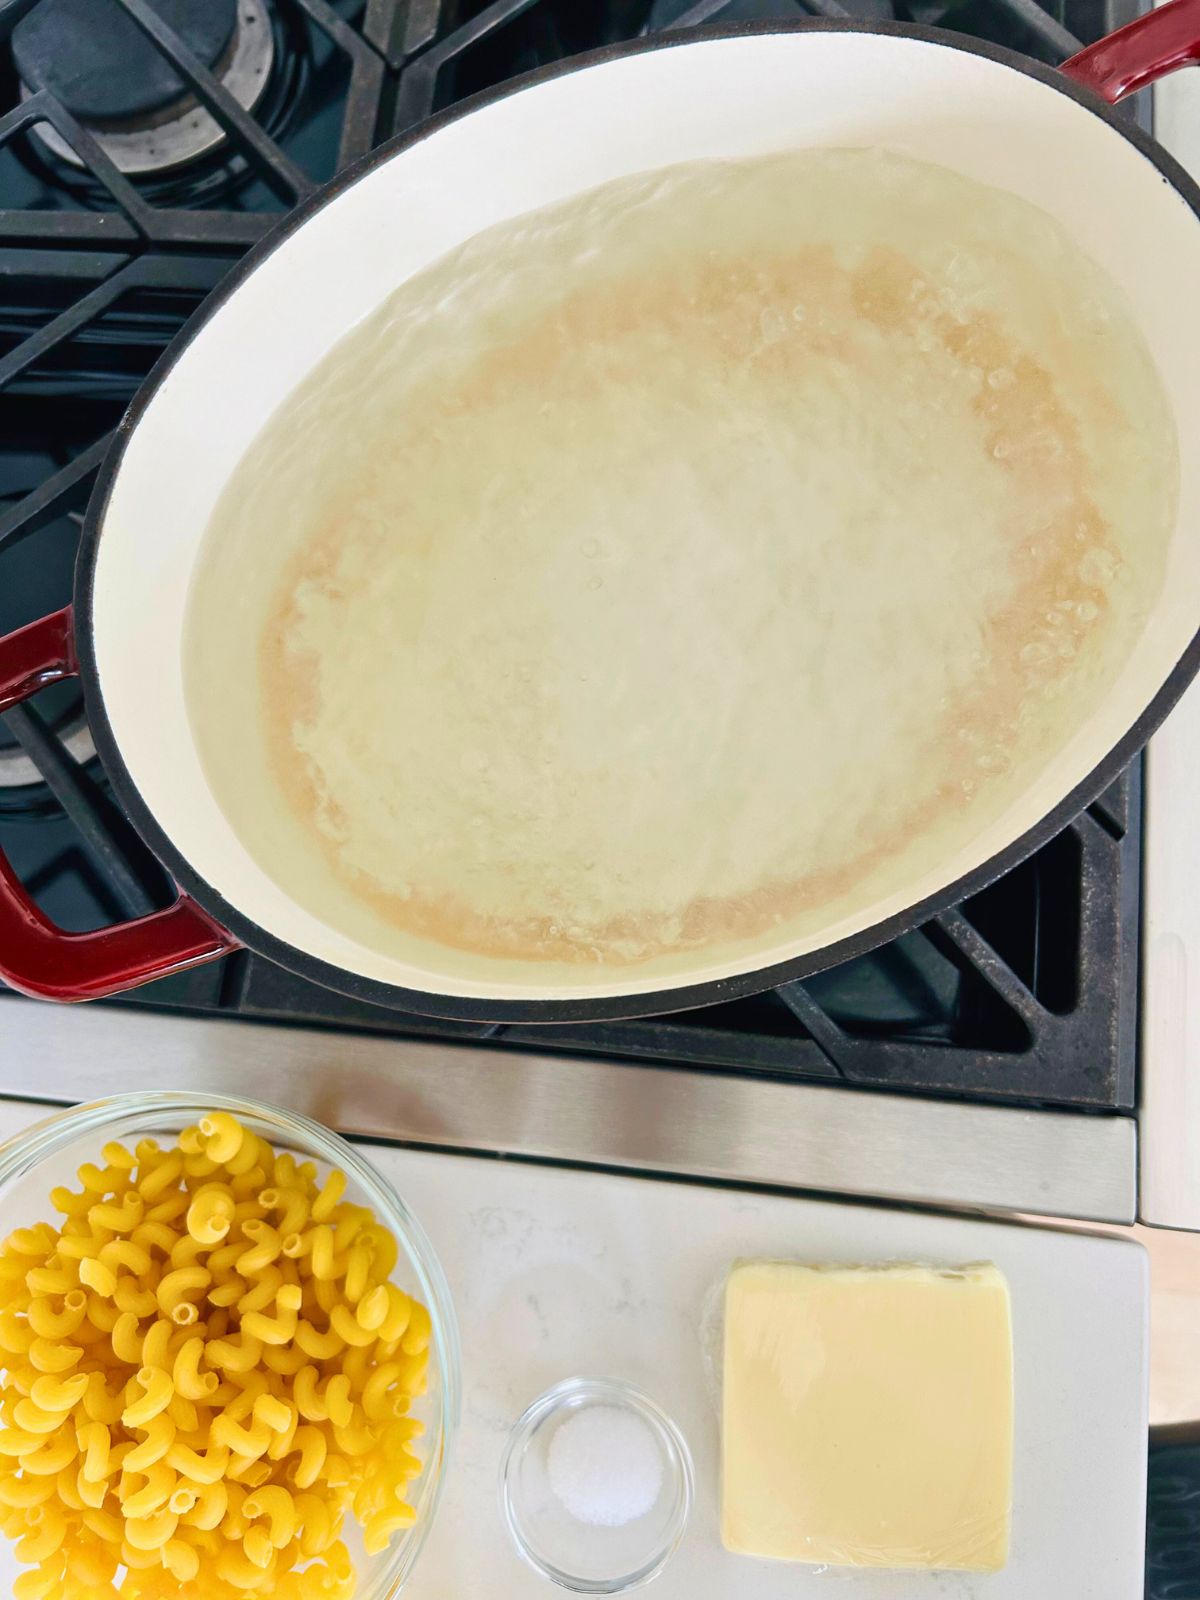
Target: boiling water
(683,564)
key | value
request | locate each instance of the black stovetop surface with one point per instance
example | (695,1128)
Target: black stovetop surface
(1026,992)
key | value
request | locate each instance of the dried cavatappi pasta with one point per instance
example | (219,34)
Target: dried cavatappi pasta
(202,1370)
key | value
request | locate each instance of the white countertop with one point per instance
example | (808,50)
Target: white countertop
(558,1272)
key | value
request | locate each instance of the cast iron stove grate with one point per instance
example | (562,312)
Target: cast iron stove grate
(124,198)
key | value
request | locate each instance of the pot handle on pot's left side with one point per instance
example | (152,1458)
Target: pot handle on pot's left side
(1140,53)
(35,956)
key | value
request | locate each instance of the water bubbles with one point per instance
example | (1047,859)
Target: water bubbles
(590,548)
(993,762)
(1087,611)
(1001,378)
(771,325)
(1098,568)
(1002,448)
(1036,653)
(595,581)
(799,314)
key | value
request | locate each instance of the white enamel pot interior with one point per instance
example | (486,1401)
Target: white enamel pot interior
(985,114)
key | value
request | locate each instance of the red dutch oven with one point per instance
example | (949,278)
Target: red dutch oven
(1052,138)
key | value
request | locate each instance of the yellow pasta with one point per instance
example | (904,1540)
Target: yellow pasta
(97,1276)
(156,1345)
(46,1529)
(150,1496)
(400,1307)
(222,1135)
(98,1404)
(34,1241)
(17,1337)
(123,1218)
(384,1525)
(250,1441)
(212,1501)
(95,1443)
(59,1394)
(189,1381)
(262,1252)
(159,1436)
(203,1371)
(131,1296)
(312,1446)
(48,1322)
(331,1192)
(276,1504)
(320,1346)
(176,1286)
(158,1389)
(48,1280)
(210,1213)
(152,1532)
(267,1285)
(281,1328)
(182,1560)
(206,1468)
(51,1456)
(24,1492)
(32,1419)
(93,1493)
(285,1360)
(274,1413)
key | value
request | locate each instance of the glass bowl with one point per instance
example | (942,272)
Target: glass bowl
(582,1556)
(50,1153)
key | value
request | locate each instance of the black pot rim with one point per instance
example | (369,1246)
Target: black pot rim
(672,998)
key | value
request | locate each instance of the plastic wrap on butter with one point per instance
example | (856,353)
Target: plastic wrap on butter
(867,1415)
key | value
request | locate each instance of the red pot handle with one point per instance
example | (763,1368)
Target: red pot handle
(1140,53)
(41,959)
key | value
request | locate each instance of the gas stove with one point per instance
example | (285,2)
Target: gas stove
(989,1058)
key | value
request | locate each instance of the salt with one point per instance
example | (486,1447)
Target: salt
(605,1466)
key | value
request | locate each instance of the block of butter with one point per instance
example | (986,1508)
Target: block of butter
(867,1415)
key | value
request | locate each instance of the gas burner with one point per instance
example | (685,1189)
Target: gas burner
(124,90)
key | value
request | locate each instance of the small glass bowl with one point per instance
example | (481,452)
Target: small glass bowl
(580,1556)
(50,1152)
